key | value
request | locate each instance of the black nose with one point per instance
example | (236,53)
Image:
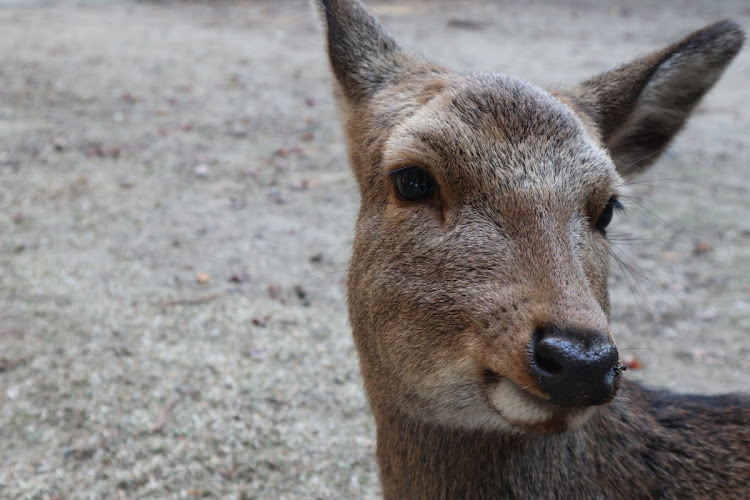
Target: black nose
(575,368)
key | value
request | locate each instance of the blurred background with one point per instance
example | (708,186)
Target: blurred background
(176,216)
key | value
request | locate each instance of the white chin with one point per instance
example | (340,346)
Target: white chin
(521,409)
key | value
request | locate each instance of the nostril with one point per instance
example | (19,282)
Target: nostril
(491,375)
(548,358)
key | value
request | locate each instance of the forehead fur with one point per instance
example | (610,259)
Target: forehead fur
(503,131)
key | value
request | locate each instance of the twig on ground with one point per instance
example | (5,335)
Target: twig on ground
(166,412)
(186,302)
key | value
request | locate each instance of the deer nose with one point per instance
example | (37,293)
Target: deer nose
(574,367)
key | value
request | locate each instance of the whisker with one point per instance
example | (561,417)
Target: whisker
(643,209)
(632,164)
(638,271)
(323,273)
(631,281)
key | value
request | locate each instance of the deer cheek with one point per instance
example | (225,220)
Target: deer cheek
(596,268)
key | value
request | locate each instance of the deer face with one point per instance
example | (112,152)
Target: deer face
(481,259)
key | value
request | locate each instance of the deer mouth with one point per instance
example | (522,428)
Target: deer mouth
(529,412)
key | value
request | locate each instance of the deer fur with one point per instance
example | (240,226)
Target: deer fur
(449,294)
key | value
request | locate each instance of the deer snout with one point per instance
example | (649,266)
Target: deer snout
(575,368)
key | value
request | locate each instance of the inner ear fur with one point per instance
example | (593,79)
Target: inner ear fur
(639,106)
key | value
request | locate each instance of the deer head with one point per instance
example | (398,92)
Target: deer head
(478,283)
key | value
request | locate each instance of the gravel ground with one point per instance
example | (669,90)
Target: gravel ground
(176,215)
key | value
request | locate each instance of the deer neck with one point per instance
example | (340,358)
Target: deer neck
(422,460)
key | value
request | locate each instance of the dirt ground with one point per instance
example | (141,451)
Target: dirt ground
(176,215)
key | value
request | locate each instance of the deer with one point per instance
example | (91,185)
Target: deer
(477,288)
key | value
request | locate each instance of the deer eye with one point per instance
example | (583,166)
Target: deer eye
(606,216)
(413,183)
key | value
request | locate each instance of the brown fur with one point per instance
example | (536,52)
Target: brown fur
(445,294)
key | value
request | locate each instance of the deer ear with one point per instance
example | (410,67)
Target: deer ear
(364,57)
(639,107)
